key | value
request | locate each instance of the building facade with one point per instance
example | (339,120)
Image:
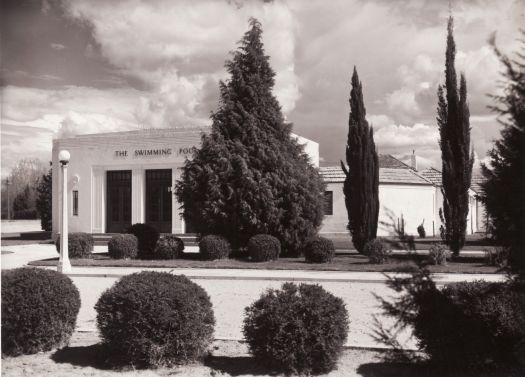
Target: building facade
(122,178)
(118,179)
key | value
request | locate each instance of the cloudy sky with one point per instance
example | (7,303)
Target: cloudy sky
(86,66)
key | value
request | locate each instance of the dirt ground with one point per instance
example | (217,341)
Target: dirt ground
(83,357)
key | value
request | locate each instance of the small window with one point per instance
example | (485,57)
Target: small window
(328,203)
(75,202)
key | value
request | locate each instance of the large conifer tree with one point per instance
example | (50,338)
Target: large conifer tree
(362,176)
(504,189)
(457,159)
(250,175)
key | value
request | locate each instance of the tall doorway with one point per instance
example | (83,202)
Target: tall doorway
(159,199)
(118,214)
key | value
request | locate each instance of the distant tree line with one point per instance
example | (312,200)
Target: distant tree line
(29,185)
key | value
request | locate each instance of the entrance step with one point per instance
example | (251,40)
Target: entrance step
(102,239)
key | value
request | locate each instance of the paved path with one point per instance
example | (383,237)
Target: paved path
(231,290)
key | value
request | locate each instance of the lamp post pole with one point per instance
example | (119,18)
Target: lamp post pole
(63,263)
(7,183)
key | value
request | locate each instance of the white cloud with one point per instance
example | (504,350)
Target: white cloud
(399,136)
(188,42)
(57,46)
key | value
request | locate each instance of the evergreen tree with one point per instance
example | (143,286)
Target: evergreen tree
(457,159)
(361,187)
(504,189)
(250,175)
(44,201)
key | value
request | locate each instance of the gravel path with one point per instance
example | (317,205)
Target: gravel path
(229,358)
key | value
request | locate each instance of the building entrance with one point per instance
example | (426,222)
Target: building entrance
(159,199)
(118,214)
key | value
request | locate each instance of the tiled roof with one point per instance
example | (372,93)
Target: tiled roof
(385,161)
(389,161)
(475,184)
(434,176)
(386,175)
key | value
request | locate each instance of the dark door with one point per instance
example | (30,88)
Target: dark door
(118,209)
(158,199)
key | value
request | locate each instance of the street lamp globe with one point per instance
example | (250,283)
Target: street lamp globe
(64,157)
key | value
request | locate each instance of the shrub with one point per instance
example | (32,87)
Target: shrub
(297,329)
(377,251)
(214,247)
(496,256)
(79,245)
(39,310)
(169,247)
(147,237)
(123,246)
(319,250)
(155,318)
(471,325)
(421,231)
(438,254)
(263,247)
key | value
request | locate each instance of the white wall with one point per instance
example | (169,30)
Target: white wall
(414,202)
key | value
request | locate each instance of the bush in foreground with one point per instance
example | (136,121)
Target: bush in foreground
(169,247)
(213,247)
(438,254)
(155,318)
(297,329)
(123,246)
(39,310)
(319,250)
(468,326)
(147,236)
(79,245)
(377,251)
(263,247)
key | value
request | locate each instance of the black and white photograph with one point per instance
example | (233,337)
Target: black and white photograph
(262,188)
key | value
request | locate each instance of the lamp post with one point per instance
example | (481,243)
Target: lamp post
(63,263)
(7,183)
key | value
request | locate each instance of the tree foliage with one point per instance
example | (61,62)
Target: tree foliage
(457,158)
(504,188)
(250,175)
(44,201)
(361,186)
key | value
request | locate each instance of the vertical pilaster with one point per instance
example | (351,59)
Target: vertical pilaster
(138,193)
(99,201)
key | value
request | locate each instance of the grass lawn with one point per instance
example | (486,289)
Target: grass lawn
(342,262)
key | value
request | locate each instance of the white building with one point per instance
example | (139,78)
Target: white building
(122,178)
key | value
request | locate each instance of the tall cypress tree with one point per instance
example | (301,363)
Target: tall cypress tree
(457,158)
(250,175)
(44,201)
(361,187)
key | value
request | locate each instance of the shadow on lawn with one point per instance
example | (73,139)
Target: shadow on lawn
(95,356)
(238,365)
(395,369)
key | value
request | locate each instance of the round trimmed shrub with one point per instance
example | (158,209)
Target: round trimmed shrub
(123,246)
(147,236)
(214,247)
(264,247)
(438,254)
(79,245)
(471,325)
(39,310)
(377,251)
(155,318)
(297,329)
(319,250)
(169,247)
